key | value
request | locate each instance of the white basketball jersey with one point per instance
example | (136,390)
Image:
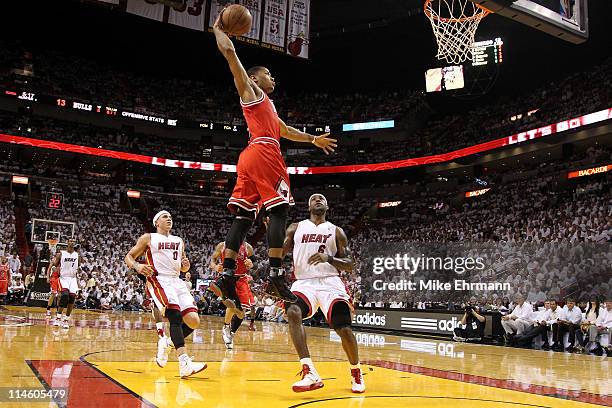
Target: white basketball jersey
(165,254)
(69,264)
(307,241)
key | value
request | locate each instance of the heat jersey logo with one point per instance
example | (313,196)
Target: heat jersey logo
(70,260)
(320,238)
(168,245)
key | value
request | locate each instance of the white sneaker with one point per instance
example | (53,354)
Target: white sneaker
(57,321)
(357,384)
(228,337)
(310,380)
(65,325)
(163,351)
(187,367)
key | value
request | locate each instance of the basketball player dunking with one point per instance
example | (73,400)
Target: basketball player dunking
(68,263)
(244,262)
(320,251)
(5,274)
(262,174)
(166,259)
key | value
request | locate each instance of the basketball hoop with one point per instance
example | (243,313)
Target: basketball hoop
(454,24)
(52,245)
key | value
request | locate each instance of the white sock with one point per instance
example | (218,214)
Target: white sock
(183,357)
(358,365)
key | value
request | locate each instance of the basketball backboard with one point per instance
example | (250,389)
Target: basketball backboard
(42,230)
(565,19)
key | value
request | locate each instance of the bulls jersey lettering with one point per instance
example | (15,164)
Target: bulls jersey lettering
(165,254)
(308,240)
(69,264)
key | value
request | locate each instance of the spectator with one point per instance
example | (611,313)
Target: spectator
(519,320)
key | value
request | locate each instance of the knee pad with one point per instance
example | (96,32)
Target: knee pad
(64,297)
(238,231)
(174,317)
(340,316)
(277,226)
(176,328)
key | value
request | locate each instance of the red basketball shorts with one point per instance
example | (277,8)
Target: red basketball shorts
(243,291)
(54,282)
(3,287)
(262,179)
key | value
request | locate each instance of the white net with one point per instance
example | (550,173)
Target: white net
(454,24)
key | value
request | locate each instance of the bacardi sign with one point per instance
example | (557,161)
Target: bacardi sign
(589,172)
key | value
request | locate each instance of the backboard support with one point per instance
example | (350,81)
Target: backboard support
(567,20)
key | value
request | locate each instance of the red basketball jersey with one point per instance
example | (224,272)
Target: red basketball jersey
(262,121)
(4,271)
(243,254)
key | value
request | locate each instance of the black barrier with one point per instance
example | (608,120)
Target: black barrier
(438,322)
(41,290)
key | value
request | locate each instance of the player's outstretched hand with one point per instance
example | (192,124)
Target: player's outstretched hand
(325,143)
(248,263)
(318,258)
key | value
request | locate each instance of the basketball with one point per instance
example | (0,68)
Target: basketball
(236,20)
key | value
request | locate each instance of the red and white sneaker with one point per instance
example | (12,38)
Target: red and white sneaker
(357,384)
(310,380)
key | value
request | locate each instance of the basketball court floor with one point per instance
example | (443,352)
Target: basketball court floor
(107,360)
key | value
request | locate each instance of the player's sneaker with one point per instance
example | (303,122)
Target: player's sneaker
(187,367)
(163,351)
(225,288)
(65,324)
(228,337)
(310,380)
(57,321)
(357,384)
(277,287)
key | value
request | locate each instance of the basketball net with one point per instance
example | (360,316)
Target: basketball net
(52,246)
(454,24)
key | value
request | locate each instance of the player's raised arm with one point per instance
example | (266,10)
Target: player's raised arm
(136,251)
(243,83)
(323,142)
(288,244)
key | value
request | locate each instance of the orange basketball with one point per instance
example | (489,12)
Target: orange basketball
(236,20)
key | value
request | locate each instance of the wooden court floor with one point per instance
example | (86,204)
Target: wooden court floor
(107,360)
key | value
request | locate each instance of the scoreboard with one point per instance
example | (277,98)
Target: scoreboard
(487,52)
